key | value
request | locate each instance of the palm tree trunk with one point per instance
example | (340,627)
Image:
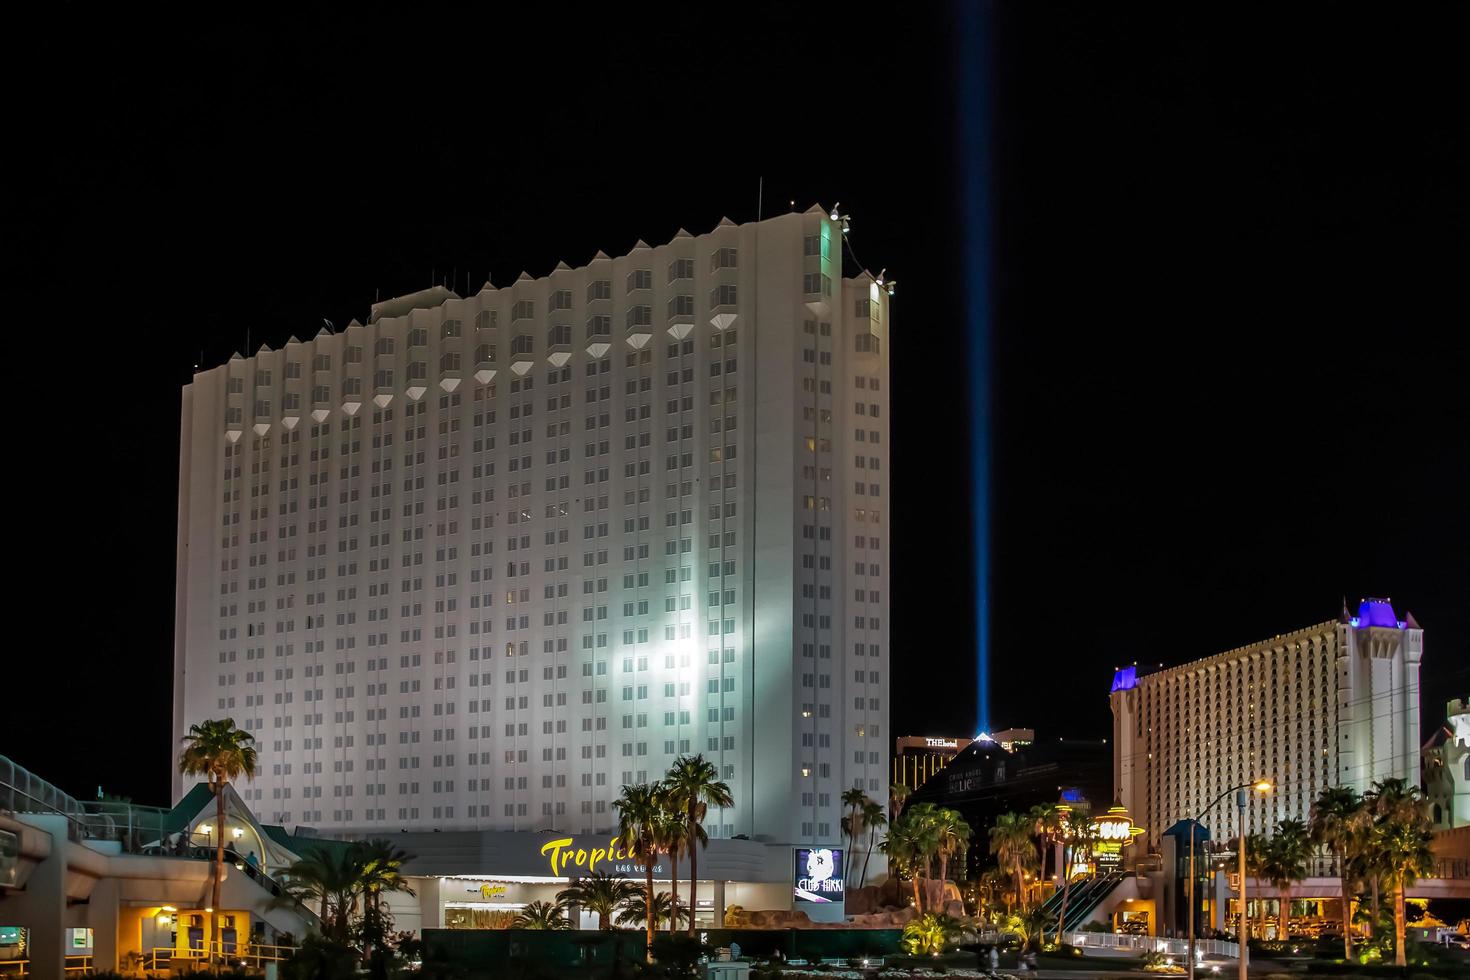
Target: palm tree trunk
(694,871)
(1373,923)
(1399,921)
(649,921)
(673,892)
(219,862)
(943,873)
(918,902)
(868,856)
(1347,906)
(1020,886)
(1283,913)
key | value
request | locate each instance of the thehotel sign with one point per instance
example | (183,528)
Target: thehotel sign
(942,743)
(567,856)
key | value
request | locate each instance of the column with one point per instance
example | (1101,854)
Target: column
(102,917)
(41,906)
(719,908)
(431,909)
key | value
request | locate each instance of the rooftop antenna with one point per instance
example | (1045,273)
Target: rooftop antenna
(760,191)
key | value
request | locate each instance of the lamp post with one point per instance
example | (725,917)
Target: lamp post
(1261,786)
(1241,798)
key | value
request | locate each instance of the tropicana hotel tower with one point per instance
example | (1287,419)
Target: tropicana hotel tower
(480,561)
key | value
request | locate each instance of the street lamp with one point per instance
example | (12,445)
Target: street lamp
(1261,786)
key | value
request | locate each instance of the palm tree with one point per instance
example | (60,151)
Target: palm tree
(953,841)
(853,799)
(1335,816)
(1407,853)
(673,840)
(381,867)
(222,754)
(600,893)
(1077,838)
(898,795)
(542,915)
(1010,842)
(327,878)
(909,840)
(693,783)
(640,818)
(1401,841)
(635,912)
(873,819)
(1257,851)
(1285,863)
(1046,824)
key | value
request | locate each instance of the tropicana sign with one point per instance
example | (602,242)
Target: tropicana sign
(563,853)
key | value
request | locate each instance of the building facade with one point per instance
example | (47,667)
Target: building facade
(1447,768)
(481,561)
(1328,705)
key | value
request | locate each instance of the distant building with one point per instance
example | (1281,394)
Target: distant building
(1447,768)
(1332,704)
(917,757)
(1012,738)
(984,781)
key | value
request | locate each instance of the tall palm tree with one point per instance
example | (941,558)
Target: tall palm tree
(853,799)
(898,795)
(640,820)
(1046,824)
(1406,850)
(908,843)
(1336,813)
(1010,842)
(222,754)
(1401,840)
(381,870)
(1077,838)
(694,784)
(542,915)
(953,841)
(673,839)
(599,893)
(1257,852)
(1286,863)
(873,818)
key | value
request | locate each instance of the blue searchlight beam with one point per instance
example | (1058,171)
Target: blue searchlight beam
(974,125)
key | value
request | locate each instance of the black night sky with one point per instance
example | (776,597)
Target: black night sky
(1230,317)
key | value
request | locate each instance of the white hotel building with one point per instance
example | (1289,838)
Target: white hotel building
(476,564)
(1336,704)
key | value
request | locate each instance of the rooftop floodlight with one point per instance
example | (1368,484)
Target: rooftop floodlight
(881,271)
(836,215)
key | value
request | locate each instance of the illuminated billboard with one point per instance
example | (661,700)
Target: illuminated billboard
(817,876)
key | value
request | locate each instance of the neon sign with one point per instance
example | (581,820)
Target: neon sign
(561,854)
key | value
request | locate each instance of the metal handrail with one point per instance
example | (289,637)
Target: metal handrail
(245,953)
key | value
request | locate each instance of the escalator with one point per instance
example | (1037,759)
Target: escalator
(1082,898)
(1080,908)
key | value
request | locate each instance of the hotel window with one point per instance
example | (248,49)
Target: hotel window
(640,279)
(724,258)
(599,289)
(681,269)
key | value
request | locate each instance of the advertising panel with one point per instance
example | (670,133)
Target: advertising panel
(817,876)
